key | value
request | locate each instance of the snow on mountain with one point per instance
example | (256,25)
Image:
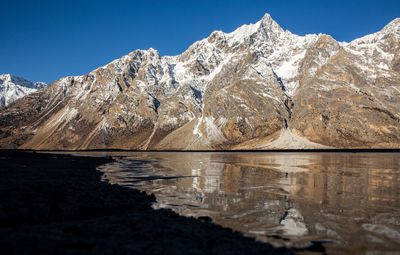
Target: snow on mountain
(241,89)
(14,87)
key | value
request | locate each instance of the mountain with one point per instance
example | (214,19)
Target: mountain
(14,87)
(258,87)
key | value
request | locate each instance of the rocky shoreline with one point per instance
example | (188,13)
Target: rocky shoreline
(58,204)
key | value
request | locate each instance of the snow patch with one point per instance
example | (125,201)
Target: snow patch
(289,69)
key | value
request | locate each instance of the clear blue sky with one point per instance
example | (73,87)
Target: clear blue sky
(43,40)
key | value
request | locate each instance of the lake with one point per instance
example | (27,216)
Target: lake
(349,202)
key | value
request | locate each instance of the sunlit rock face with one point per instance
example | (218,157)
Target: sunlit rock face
(353,99)
(258,87)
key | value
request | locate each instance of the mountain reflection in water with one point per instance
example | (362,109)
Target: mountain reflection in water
(350,202)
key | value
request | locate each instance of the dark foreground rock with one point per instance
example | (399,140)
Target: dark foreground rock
(56,204)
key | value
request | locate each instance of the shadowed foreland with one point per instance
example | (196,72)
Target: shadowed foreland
(57,204)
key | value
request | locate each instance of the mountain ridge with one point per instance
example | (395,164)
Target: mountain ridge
(14,87)
(225,91)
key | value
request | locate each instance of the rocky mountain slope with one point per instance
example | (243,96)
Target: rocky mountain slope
(258,87)
(13,88)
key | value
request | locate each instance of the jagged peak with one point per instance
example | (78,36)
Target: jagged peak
(4,76)
(153,51)
(20,81)
(140,53)
(150,50)
(267,17)
(326,37)
(270,24)
(14,87)
(243,32)
(9,77)
(266,26)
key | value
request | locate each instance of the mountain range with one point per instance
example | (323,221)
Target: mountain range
(13,87)
(258,87)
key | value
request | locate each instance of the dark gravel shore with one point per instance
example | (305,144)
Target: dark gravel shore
(56,204)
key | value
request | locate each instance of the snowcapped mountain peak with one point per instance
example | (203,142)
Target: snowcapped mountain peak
(13,87)
(152,50)
(259,86)
(269,24)
(395,22)
(393,27)
(243,32)
(4,77)
(9,78)
(40,84)
(267,17)
(264,29)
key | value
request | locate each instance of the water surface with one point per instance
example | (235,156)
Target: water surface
(350,202)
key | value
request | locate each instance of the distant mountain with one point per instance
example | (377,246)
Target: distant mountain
(258,87)
(14,87)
